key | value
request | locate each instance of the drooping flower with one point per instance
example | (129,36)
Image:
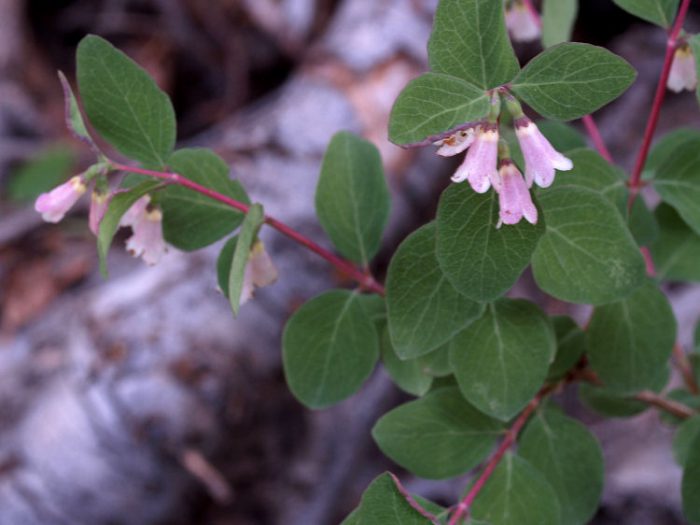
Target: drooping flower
(147,239)
(521,23)
(259,272)
(514,199)
(480,163)
(456,143)
(541,159)
(54,205)
(98,207)
(683,73)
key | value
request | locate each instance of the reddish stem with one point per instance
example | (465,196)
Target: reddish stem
(651,269)
(685,369)
(635,182)
(365,280)
(597,138)
(508,441)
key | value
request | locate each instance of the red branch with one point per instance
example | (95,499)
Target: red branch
(508,441)
(365,280)
(635,182)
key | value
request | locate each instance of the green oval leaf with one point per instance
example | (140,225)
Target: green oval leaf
(570,458)
(437,437)
(659,12)
(329,348)
(384,503)
(686,434)
(352,198)
(630,340)
(424,310)
(587,254)
(571,345)
(192,221)
(469,41)
(558,17)
(664,149)
(517,494)
(124,104)
(676,251)
(254,219)
(501,360)
(409,375)
(481,261)
(690,487)
(571,80)
(678,180)
(432,104)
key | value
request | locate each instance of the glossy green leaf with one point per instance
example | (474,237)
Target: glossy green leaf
(571,80)
(686,434)
(469,41)
(642,223)
(517,494)
(124,104)
(678,181)
(223,264)
(665,149)
(587,254)
(437,437)
(562,136)
(408,375)
(249,230)
(424,309)
(630,340)
(570,458)
(352,198)
(659,12)
(480,260)
(676,252)
(437,362)
(571,345)
(40,174)
(593,172)
(329,348)
(432,104)
(74,118)
(118,206)
(690,487)
(501,360)
(384,503)
(192,221)
(558,17)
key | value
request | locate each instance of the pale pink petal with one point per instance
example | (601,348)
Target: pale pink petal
(456,143)
(522,24)
(98,208)
(259,272)
(683,73)
(541,159)
(514,199)
(147,240)
(54,205)
(481,160)
(136,212)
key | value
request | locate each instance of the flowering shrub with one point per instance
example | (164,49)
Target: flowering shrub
(482,366)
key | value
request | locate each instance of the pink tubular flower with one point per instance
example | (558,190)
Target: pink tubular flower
(147,240)
(683,73)
(514,198)
(259,272)
(98,208)
(456,143)
(479,165)
(521,23)
(54,205)
(541,159)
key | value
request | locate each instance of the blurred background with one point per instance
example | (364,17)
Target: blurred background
(138,399)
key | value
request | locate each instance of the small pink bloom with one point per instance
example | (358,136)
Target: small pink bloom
(98,208)
(479,165)
(541,159)
(55,204)
(521,23)
(683,73)
(456,143)
(514,198)
(259,272)
(147,240)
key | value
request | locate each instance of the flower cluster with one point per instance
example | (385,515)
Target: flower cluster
(145,221)
(482,170)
